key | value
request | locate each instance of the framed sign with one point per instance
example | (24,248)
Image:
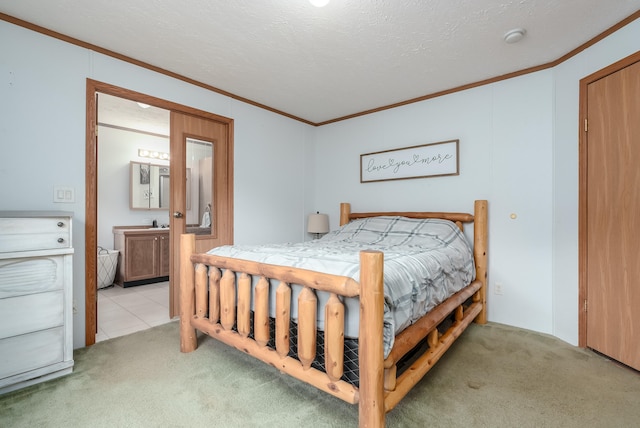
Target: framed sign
(427,160)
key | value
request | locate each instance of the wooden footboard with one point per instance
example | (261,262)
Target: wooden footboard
(209,302)
(216,296)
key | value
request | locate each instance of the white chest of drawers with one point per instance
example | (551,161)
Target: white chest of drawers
(36,312)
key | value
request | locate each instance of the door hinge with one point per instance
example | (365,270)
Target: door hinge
(585,305)
(586,125)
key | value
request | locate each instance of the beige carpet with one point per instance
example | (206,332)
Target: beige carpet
(494,376)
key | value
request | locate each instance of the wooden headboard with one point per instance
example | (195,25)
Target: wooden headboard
(459,218)
(480,236)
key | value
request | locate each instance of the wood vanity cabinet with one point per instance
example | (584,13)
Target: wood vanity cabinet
(36,304)
(165,261)
(144,255)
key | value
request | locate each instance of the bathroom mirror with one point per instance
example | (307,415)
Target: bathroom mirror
(150,186)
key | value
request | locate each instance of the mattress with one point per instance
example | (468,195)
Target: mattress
(425,262)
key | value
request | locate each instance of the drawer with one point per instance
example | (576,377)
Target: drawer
(26,352)
(31,275)
(36,233)
(33,312)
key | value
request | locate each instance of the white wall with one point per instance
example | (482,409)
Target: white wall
(42,111)
(505,138)
(567,75)
(42,138)
(518,149)
(116,149)
(270,176)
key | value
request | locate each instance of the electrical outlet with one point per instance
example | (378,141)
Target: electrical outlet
(497,288)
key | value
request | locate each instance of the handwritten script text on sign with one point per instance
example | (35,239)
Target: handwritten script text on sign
(411,162)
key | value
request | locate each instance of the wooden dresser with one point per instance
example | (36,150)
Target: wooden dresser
(36,305)
(144,255)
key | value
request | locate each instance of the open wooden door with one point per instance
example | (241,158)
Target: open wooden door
(202,201)
(610,201)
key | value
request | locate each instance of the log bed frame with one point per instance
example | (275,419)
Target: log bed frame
(208,303)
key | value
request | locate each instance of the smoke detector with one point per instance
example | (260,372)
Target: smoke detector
(514,36)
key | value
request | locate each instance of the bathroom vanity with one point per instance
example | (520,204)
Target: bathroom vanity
(144,255)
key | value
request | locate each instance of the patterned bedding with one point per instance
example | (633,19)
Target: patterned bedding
(425,262)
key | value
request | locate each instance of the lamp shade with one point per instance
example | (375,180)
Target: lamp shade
(318,223)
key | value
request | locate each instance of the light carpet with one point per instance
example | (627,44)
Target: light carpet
(493,376)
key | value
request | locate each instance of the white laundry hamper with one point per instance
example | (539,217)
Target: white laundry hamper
(107,264)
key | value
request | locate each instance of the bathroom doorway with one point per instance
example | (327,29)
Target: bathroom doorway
(132,201)
(93,178)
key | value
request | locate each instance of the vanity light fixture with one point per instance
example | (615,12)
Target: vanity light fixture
(143,153)
(514,36)
(319,3)
(143,105)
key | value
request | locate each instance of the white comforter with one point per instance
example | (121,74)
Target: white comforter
(425,261)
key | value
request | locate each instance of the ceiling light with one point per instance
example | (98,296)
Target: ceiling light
(319,3)
(514,36)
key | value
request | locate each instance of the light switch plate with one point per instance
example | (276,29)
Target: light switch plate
(64,194)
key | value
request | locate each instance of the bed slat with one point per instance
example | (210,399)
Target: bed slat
(201,291)
(228,300)
(261,315)
(307,320)
(459,313)
(390,375)
(334,338)
(244,305)
(214,294)
(283,318)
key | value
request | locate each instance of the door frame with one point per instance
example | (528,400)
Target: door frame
(583,187)
(91,182)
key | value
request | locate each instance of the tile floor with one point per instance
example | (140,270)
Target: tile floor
(123,311)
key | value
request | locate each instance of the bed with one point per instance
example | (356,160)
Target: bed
(336,320)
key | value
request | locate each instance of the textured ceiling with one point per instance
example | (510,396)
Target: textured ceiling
(127,114)
(319,64)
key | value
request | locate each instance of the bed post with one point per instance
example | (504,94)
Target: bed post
(370,342)
(480,255)
(188,340)
(345,211)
